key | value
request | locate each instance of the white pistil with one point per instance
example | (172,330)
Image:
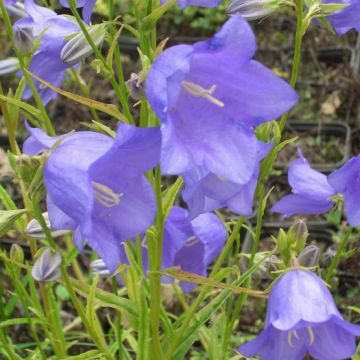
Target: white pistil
(197,90)
(105,196)
(192,240)
(311,334)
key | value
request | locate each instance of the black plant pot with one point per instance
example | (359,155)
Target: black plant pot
(327,146)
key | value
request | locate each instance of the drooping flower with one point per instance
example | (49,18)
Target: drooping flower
(311,191)
(202,3)
(347,18)
(46,62)
(207,95)
(205,191)
(192,245)
(96,187)
(302,317)
(86,5)
(346,181)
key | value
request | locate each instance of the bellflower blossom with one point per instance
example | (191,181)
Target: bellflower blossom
(202,3)
(347,18)
(192,245)
(204,191)
(302,317)
(311,191)
(346,181)
(207,95)
(86,5)
(95,186)
(46,62)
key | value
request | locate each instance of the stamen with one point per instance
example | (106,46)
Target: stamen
(197,90)
(192,240)
(290,335)
(311,334)
(144,242)
(105,196)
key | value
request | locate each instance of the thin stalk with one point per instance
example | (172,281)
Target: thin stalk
(119,92)
(155,254)
(56,330)
(297,55)
(47,122)
(335,260)
(118,329)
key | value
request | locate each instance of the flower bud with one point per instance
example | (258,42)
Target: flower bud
(98,267)
(35,230)
(17,9)
(298,234)
(17,253)
(9,65)
(250,9)
(78,47)
(310,256)
(46,267)
(24,40)
(136,87)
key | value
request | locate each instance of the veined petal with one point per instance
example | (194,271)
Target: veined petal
(306,181)
(66,171)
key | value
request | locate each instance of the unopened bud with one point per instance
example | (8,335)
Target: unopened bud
(24,40)
(9,65)
(17,253)
(98,267)
(35,230)
(46,267)
(136,87)
(298,234)
(78,47)
(17,9)
(310,256)
(249,9)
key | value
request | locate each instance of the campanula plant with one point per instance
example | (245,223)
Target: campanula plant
(139,234)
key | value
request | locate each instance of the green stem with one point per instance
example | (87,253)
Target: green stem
(122,96)
(118,329)
(335,260)
(47,122)
(55,328)
(155,255)
(297,55)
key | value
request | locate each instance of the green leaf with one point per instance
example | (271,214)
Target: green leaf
(10,205)
(19,321)
(109,109)
(106,299)
(89,355)
(179,274)
(22,105)
(114,42)
(170,195)
(149,22)
(7,219)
